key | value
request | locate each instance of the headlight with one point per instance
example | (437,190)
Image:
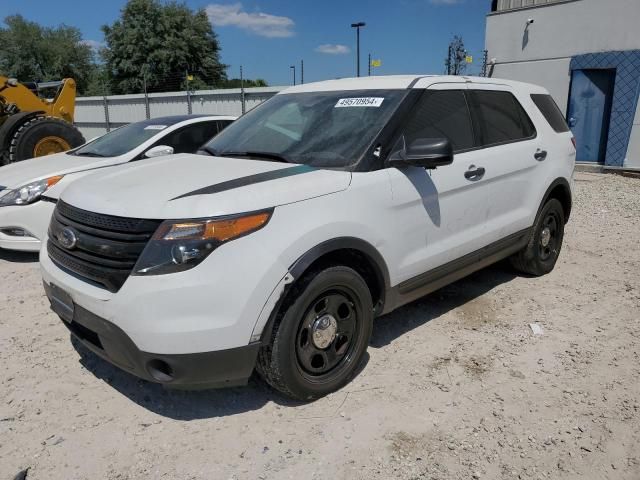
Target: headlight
(29,193)
(179,245)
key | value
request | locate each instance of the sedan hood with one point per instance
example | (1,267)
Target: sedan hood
(191,186)
(20,173)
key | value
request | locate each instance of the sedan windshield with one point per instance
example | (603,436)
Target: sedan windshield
(320,129)
(120,141)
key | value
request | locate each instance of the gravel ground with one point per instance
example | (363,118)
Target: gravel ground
(456,385)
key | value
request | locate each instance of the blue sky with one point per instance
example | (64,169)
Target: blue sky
(267,36)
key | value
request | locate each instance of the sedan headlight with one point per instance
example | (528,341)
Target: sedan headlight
(29,193)
(180,245)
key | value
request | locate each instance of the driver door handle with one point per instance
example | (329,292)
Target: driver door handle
(474,173)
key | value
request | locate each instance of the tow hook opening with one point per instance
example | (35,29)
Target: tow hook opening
(160,370)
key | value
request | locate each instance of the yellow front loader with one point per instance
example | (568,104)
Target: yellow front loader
(34,126)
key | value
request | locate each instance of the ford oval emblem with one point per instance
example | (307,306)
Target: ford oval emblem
(67,238)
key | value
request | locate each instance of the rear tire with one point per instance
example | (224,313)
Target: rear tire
(320,335)
(541,253)
(40,136)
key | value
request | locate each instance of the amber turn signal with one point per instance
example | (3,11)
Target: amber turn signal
(218,230)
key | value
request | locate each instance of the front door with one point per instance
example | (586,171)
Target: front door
(439,214)
(589,112)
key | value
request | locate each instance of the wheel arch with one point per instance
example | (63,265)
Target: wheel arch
(351,252)
(560,190)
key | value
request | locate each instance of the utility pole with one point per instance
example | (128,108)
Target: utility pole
(485,58)
(293,67)
(242,90)
(146,95)
(105,103)
(301,72)
(369,63)
(357,26)
(186,78)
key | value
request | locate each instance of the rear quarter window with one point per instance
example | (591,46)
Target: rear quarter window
(549,109)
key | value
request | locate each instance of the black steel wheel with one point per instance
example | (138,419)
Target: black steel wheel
(325,340)
(320,335)
(540,255)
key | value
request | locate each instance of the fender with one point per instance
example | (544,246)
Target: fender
(343,243)
(297,269)
(565,184)
(11,124)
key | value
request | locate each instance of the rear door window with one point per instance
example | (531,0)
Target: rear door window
(501,117)
(442,114)
(549,109)
(190,138)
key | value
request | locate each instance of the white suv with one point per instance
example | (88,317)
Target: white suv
(328,205)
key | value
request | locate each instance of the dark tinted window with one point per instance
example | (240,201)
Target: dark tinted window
(442,114)
(189,139)
(501,117)
(551,112)
(222,124)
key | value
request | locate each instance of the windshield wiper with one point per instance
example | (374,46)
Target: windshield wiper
(89,154)
(207,151)
(267,155)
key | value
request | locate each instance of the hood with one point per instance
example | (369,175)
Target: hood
(192,186)
(20,173)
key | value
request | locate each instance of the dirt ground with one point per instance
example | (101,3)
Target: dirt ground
(456,385)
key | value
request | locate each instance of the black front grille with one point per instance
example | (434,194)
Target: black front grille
(107,246)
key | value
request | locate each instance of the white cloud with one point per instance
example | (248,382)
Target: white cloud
(262,24)
(94,44)
(332,49)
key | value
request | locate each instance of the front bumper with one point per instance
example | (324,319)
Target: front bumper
(223,368)
(33,218)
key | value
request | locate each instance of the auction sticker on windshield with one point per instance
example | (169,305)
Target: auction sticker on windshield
(155,127)
(360,102)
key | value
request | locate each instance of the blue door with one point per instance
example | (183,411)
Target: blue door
(590,111)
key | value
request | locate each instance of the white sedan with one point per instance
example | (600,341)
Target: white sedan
(29,190)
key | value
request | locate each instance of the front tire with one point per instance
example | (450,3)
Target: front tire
(541,253)
(320,335)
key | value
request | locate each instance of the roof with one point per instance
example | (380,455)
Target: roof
(175,119)
(399,82)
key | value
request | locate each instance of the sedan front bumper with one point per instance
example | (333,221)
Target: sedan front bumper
(32,220)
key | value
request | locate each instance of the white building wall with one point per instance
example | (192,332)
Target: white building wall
(633,153)
(541,53)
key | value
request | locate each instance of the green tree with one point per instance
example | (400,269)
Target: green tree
(163,44)
(31,52)
(235,83)
(455,63)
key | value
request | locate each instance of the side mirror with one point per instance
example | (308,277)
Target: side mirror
(159,151)
(423,152)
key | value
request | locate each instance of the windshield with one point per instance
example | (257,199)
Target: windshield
(320,129)
(122,140)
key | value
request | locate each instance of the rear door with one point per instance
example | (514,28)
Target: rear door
(512,155)
(439,214)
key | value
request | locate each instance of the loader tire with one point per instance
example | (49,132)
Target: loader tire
(40,136)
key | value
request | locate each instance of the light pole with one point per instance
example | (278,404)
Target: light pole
(357,26)
(293,67)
